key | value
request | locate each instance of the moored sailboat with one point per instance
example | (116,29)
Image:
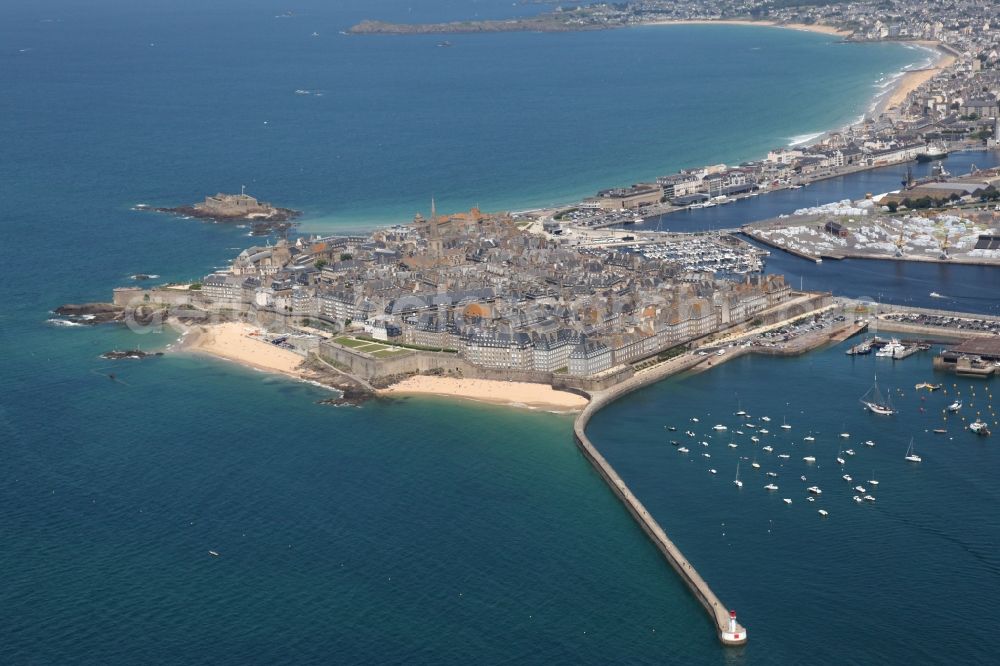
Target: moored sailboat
(875,402)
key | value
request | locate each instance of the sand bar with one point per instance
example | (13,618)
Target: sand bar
(534,396)
(240,343)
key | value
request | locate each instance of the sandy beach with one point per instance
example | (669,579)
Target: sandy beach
(237,342)
(534,396)
(822,29)
(913,80)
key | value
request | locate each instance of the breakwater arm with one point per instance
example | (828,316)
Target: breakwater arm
(729,631)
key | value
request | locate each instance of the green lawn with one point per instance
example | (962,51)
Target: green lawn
(351,342)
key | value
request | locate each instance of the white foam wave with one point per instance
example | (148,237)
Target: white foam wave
(804,138)
(63,322)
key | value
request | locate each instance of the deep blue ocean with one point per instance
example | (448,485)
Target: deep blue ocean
(417,531)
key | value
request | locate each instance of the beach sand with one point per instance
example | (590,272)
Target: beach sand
(913,80)
(236,342)
(822,29)
(534,396)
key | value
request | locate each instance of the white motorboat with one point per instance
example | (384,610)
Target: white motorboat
(770,486)
(764,431)
(823,512)
(849,452)
(860,489)
(815,490)
(719,427)
(892,349)
(857,499)
(768,448)
(787,500)
(766,419)
(955,406)
(784,455)
(733,445)
(847,477)
(712,471)
(869,498)
(841,460)
(682,449)
(809,438)
(809,459)
(869,443)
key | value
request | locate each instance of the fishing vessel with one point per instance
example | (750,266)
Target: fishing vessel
(933,151)
(875,402)
(911,455)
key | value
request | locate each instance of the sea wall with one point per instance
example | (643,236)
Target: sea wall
(728,634)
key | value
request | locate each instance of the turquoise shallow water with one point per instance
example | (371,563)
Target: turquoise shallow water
(908,578)
(423,531)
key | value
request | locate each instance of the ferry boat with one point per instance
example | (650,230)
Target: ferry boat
(911,455)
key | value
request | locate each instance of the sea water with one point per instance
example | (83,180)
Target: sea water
(422,530)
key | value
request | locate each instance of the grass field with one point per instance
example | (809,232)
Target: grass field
(376,349)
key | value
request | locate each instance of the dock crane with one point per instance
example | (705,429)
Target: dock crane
(944,241)
(900,242)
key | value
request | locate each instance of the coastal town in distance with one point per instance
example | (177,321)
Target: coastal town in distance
(571,306)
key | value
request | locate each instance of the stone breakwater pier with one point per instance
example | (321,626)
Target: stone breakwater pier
(730,632)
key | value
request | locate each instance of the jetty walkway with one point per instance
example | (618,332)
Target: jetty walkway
(729,631)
